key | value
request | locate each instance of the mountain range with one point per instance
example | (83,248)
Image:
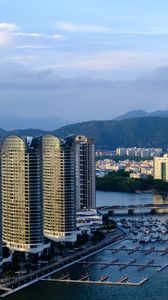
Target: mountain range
(142,113)
(125,131)
(139,132)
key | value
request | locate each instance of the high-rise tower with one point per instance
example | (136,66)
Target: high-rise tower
(85,172)
(160,167)
(22,213)
(59,189)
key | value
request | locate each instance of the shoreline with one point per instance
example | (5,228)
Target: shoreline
(152,192)
(36,276)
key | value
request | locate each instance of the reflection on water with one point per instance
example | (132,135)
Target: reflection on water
(161,199)
(115,198)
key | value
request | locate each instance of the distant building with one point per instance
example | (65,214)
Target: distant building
(85,172)
(22,214)
(59,195)
(138,176)
(161,168)
(139,152)
(121,151)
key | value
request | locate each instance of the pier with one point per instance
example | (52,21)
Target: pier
(123,265)
(147,252)
(123,279)
(162,268)
(65,276)
(147,264)
(120,282)
(103,278)
(85,277)
(138,249)
(111,263)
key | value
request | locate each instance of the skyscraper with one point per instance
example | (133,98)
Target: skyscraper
(85,172)
(0,221)
(161,167)
(22,213)
(59,188)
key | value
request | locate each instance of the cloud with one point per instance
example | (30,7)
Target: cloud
(46,93)
(107,61)
(8,27)
(6,31)
(4,39)
(11,36)
(39,35)
(88,28)
(29,46)
(91,28)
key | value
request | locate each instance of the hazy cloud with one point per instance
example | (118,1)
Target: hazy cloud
(92,28)
(39,35)
(84,98)
(10,35)
(6,30)
(8,27)
(88,28)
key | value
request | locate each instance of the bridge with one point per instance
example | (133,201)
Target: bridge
(131,209)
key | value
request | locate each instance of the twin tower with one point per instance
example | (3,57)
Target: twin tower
(44,181)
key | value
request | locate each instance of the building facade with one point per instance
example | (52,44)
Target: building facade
(85,173)
(44,181)
(161,168)
(59,196)
(22,207)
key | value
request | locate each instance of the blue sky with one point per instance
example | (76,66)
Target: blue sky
(66,58)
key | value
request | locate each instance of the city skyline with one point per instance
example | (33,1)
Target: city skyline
(44,181)
(110,55)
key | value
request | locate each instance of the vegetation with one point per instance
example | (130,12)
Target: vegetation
(81,239)
(98,236)
(120,182)
(108,223)
(139,132)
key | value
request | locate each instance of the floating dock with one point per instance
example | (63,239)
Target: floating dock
(147,264)
(65,276)
(103,278)
(124,266)
(127,283)
(138,249)
(83,278)
(161,268)
(123,279)
(131,263)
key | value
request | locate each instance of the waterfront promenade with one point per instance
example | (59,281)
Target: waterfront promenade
(51,268)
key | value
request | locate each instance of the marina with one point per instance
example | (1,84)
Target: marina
(145,242)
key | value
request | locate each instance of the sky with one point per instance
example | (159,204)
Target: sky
(83,60)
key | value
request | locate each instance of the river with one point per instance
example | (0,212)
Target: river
(155,288)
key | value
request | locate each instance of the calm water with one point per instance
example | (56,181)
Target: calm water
(155,288)
(114,198)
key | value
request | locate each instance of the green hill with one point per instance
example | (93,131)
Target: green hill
(139,132)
